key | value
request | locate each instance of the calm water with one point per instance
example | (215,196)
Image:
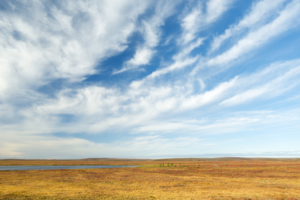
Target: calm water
(60,167)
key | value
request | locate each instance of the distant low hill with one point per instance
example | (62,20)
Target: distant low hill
(163,159)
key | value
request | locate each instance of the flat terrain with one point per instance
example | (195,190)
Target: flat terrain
(224,178)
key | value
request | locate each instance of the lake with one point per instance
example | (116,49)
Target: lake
(45,167)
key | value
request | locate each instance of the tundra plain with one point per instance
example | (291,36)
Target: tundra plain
(220,178)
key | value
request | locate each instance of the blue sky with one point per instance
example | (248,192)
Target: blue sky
(149,79)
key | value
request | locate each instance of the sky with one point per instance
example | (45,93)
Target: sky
(149,79)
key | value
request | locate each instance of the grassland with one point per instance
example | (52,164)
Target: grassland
(156,179)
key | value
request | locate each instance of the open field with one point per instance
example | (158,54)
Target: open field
(224,178)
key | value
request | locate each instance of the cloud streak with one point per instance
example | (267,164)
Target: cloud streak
(260,12)
(151,32)
(284,22)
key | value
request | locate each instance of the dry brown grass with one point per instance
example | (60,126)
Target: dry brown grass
(210,179)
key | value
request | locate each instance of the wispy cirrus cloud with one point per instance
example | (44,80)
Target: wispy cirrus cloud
(286,20)
(98,109)
(259,14)
(61,40)
(201,16)
(151,32)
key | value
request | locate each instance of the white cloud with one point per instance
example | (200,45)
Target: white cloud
(190,24)
(181,60)
(141,144)
(151,32)
(284,22)
(270,89)
(98,109)
(215,8)
(175,66)
(208,97)
(232,122)
(51,147)
(141,57)
(259,13)
(198,20)
(187,49)
(67,40)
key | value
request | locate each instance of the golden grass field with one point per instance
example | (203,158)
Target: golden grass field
(182,179)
